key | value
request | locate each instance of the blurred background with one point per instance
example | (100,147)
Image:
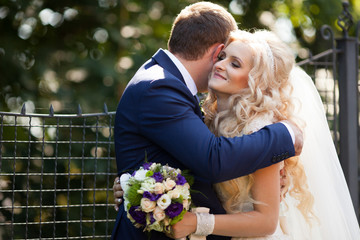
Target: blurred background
(66,53)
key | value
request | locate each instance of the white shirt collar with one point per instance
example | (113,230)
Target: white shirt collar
(189,81)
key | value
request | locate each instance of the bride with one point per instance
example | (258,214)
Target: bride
(253,84)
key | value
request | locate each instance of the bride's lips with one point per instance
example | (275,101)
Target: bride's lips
(217,75)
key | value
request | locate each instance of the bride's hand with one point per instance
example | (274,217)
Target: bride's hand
(185,227)
(118,193)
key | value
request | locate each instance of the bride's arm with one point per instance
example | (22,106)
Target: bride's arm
(264,219)
(260,222)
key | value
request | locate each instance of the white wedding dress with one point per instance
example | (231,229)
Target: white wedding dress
(332,203)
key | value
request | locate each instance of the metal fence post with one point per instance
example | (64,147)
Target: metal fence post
(348,101)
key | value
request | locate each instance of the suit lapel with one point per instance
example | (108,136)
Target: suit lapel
(161,58)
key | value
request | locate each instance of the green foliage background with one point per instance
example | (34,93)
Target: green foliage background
(86,51)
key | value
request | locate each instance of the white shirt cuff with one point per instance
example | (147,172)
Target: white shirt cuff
(291,131)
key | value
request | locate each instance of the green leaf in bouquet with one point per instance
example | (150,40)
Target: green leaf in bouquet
(149,173)
(145,159)
(178,200)
(188,176)
(133,196)
(157,168)
(178,218)
(199,192)
(128,206)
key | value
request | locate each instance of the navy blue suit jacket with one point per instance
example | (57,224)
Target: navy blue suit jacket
(158,114)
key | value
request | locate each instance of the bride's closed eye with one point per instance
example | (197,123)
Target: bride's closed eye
(235,64)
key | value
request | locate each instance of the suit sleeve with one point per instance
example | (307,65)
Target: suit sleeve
(168,119)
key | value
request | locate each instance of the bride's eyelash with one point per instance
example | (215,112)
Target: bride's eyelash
(236,65)
(222,56)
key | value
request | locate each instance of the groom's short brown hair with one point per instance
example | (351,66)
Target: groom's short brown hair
(198,27)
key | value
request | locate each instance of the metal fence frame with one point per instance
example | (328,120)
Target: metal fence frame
(56,175)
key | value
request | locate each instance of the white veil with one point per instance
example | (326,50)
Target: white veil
(333,205)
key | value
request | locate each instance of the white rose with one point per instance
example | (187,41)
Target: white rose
(184,191)
(153,166)
(166,168)
(174,193)
(140,175)
(164,201)
(148,185)
(159,188)
(159,214)
(124,179)
(147,205)
(169,184)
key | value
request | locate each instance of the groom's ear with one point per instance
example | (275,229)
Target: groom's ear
(217,51)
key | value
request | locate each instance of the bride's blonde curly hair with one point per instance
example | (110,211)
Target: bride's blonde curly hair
(267,96)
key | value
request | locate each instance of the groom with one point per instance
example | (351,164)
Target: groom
(160,115)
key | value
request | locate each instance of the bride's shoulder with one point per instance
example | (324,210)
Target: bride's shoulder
(258,122)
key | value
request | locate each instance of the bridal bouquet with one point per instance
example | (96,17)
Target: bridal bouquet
(155,196)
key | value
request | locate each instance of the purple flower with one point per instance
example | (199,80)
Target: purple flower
(180,180)
(133,174)
(151,196)
(147,165)
(147,194)
(174,210)
(152,219)
(158,177)
(138,215)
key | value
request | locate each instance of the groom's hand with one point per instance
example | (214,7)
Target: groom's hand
(299,138)
(118,193)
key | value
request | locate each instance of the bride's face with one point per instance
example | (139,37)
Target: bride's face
(231,72)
